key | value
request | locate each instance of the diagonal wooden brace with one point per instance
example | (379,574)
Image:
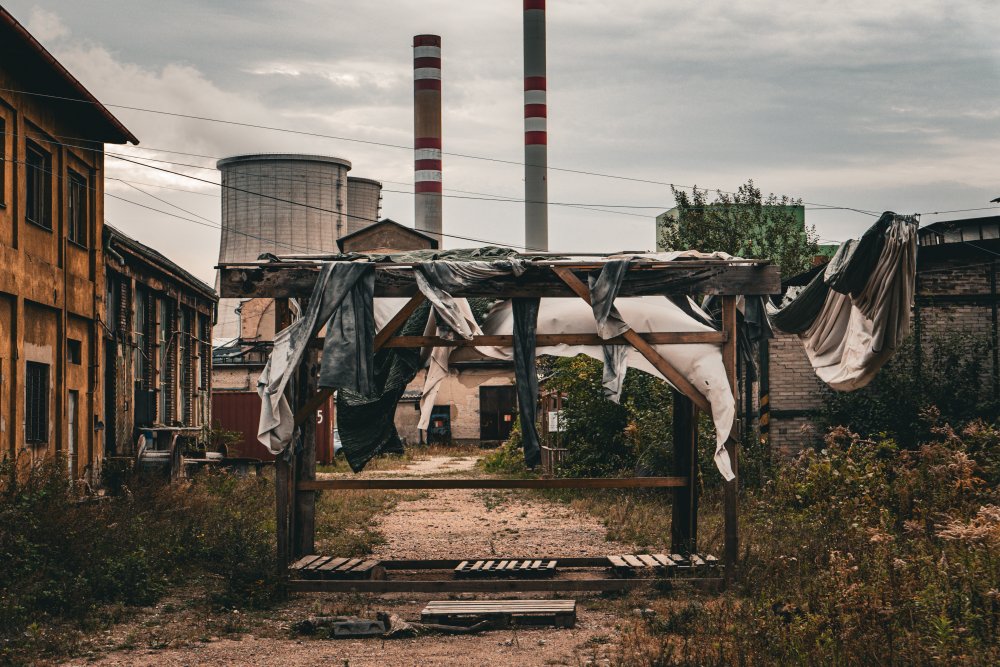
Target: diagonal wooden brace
(381,338)
(681,383)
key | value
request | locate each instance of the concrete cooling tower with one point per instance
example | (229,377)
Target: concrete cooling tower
(364,201)
(282,203)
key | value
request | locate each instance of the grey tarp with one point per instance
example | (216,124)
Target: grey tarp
(341,300)
(603,290)
(853,316)
(525,321)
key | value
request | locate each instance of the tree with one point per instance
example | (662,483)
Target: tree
(744,224)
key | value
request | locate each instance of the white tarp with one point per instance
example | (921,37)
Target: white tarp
(700,363)
(853,337)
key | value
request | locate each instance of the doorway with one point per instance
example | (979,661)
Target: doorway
(497,408)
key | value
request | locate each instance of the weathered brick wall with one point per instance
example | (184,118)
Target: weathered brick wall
(796,394)
(953,297)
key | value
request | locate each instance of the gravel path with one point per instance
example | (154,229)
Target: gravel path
(438,524)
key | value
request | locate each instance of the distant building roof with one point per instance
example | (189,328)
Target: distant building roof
(386,222)
(960,231)
(46,77)
(114,241)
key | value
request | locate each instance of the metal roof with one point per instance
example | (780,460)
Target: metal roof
(34,66)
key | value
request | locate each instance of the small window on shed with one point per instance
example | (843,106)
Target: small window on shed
(970,233)
(73,351)
(990,231)
(952,236)
(36,403)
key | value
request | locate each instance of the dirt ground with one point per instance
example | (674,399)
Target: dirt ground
(438,524)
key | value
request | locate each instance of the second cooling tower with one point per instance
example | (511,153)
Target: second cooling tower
(364,201)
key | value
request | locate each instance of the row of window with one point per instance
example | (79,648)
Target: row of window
(38,190)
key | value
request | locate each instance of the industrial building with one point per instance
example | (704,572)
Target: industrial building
(52,288)
(157,347)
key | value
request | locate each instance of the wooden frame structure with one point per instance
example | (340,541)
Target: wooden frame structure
(296,483)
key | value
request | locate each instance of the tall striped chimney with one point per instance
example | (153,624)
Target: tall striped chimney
(536,188)
(427,133)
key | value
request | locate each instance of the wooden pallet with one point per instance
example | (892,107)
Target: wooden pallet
(502,613)
(329,567)
(506,568)
(661,564)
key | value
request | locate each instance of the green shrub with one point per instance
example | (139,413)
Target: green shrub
(508,458)
(63,557)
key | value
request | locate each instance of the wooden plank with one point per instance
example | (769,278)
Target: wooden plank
(665,561)
(684,509)
(315,565)
(649,561)
(287,280)
(632,561)
(303,562)
(542,340)
(711,561)
(512,565)
(696,561)
(645,349)
(490,585)
(393,326)
(485,483)
(478,566)
(452,563)
(333,564)
(344,567)
(502,565)
(461,566)
(282,497)
(617,561)
(364,568)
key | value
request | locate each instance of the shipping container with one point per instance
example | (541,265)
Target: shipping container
(240,411)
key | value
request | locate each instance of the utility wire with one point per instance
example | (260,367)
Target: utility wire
(390,145)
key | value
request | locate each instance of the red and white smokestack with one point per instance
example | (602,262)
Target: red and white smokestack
(427,133)
(536,188)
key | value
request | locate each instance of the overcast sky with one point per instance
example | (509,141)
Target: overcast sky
(873,104)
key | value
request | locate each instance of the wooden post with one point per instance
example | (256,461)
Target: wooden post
(731,531)
(684,524)
(283,482)
(304,523)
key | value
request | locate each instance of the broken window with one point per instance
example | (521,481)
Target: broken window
(36,403)
(39,186)
(73,351)
(77,222)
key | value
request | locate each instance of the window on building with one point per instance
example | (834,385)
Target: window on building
(36,403)
(990,231)
(77,222)
(39,187)
(184,367)
(141,351)
(74,351)
(970,233)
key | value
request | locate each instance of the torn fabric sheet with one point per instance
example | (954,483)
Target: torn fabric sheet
(852,317)
(436,281)
(603,291)
(341,300)
(437,362)
(701,363)
(525,314)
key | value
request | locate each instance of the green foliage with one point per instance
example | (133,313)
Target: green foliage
(508,458)
(744,224)
(63,557)
(905,400)
(603,438)
(862,553)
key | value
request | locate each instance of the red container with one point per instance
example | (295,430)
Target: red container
(240,411)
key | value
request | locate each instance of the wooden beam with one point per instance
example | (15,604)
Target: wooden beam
(672,278)
(396,483)
(491,586)
(645,349)
(284,484)
(304,526)
(684,521)
(542,340)
(731,488)
(398,320)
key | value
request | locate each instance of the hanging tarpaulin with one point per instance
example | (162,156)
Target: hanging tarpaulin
(853,316)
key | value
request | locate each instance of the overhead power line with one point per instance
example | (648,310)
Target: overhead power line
(383,144)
